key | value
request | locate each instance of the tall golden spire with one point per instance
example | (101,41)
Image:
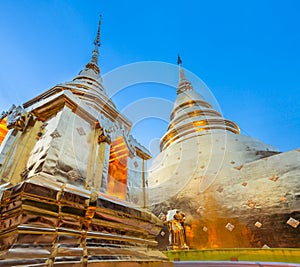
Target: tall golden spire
(93,64)
(184,84)
(192,116)
(97,43)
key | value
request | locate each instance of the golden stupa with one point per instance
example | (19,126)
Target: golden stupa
(74,185)
(235,191)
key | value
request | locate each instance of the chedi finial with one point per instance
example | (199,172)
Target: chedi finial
(97,43)
(181,72)
(179,61)
(93,64)
(97,40)
(184,84)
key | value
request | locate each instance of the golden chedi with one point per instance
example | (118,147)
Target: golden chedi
(235,190)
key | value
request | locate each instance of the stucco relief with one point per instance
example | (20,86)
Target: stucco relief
(16,118)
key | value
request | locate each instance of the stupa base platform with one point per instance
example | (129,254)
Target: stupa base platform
(95,263)
(235,256)
(232,264)
(49,223)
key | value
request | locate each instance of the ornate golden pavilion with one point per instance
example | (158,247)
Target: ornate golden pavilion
(73,182)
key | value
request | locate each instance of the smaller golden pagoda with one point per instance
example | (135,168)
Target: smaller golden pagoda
(72,181)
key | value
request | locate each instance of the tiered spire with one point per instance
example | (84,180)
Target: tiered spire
(192,116)
(89,79)
(97,43)
(93,64)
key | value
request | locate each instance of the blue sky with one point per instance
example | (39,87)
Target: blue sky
(247,53)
